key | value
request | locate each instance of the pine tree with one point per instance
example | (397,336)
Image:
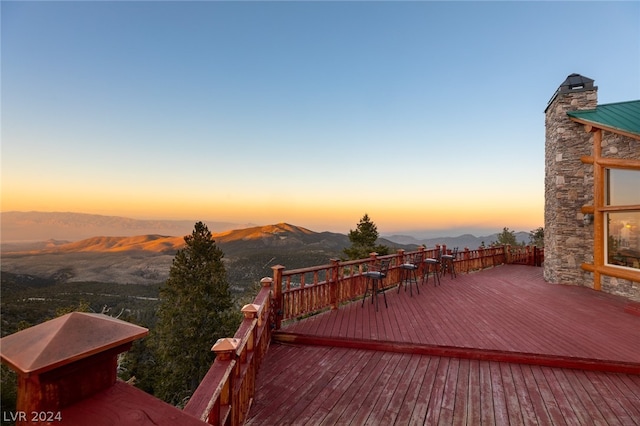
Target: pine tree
(506,237)
(195,311)
(536,237)
(363,240)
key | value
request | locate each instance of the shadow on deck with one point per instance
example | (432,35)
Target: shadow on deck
(499,346)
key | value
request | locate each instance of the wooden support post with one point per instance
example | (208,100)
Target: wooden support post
(251,312)
(66,360)
(400,254)
(599,215)
(466,255)
(277,294)
(334,282)
(420,271)
(225,350)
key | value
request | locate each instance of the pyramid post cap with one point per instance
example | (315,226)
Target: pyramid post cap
(251,310)
(64,340)
(227,344)
(266,281)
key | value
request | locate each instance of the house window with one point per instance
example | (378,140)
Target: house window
(623,218)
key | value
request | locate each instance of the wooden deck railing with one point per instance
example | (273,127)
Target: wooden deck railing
(305,291)
(225,394)
(526,255)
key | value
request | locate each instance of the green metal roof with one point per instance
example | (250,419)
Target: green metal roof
(623,116)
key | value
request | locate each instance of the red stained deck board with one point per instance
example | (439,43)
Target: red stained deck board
(605,397)
(409,398)
(487,413)
(627,388)
(123,404)
(546,392)
(431,390)
(382,408)
(499,309)
(564,397)
(497,390)
(427,400)
(507,308)
(399,396)
(352,395)
(527,396)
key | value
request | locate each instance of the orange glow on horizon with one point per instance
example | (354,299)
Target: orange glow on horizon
(337,213)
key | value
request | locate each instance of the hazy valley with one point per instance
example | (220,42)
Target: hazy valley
(42,245)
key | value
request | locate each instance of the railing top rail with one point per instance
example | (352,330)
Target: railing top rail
(306,270)
(343,263)
(287,272)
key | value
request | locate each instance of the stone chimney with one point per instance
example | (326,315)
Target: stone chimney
(568,183)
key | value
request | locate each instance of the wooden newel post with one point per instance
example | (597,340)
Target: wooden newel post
(251,312)
(277,294)
(333,283)
(266,282)
(65,360)
(507,253)
(225,348)
(400,255)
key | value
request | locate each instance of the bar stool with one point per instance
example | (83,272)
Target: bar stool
(448,263)
(408,273)
(433,262)
(374,277)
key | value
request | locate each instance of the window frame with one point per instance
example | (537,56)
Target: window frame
(612,209)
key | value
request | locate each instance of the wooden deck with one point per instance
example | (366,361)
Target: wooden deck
(495,347)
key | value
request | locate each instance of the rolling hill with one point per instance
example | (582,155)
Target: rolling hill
(146,259)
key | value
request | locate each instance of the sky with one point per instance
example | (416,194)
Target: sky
(423,115)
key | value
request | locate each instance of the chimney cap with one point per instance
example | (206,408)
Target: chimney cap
(576,82)
(572,84)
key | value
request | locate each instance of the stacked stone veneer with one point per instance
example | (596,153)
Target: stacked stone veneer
(569,185)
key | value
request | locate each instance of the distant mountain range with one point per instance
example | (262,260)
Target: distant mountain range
(466,240)
(69,226)
(146,258)
(280,236)
(37,227)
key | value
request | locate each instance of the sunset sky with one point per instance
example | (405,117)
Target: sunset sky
(425,115)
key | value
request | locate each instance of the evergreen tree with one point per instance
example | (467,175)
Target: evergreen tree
(363,240)
(506,237)
(195,311)
(536,237)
